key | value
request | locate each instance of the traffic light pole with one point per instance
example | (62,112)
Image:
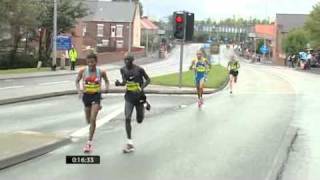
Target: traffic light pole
(181,51)
(181,63)
(130,34)
(54,39)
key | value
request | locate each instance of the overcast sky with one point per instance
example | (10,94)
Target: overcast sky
(218,9)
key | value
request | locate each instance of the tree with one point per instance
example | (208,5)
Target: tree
(69,11)
(295,41)
(313,25)
(19,18)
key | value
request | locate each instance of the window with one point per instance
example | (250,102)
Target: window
(119,30)
(120,44)
(84,30)
(100,28)
(105,42)
(113,31)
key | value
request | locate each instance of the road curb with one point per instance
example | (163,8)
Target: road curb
(282,155)
(112,91)
(224,85)
(36,97)
(48,75)
(37,76)
(33,153)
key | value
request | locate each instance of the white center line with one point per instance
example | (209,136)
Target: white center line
(11,87)
(52,83)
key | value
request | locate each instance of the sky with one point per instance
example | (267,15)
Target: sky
(221,9)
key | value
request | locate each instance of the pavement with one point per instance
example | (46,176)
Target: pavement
(189,143)
(239,136)
(303,155)
(25,140)
(27,145)
(33,147)
(21,146)
(30,145)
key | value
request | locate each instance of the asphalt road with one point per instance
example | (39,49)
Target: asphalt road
(304,159)
(232,137)
(64,114)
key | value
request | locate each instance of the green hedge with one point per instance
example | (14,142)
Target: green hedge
(20,61)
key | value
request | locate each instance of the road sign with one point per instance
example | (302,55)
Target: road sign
(63,43)
(264,49)
(206,46)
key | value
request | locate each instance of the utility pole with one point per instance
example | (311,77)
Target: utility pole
(147,42)
(54,39)
(181,49)
(130,33)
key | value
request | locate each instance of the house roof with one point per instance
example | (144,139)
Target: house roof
(290,21)
(265,30)
(108,11)
(147,24)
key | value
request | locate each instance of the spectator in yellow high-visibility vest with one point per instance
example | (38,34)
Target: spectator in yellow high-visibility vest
(73,56)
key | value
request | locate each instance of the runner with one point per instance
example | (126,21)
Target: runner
(135,79)
(201,67)
(91,94)
(233,67)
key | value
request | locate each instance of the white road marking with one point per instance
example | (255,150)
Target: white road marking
(52,83)
(11,87)
(29,132)
(84,131)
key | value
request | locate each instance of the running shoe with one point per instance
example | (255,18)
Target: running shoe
(87,148)
(147,106)
(199,103)
(128,148)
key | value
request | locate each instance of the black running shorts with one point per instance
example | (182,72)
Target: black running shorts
(234,73)
(89,99)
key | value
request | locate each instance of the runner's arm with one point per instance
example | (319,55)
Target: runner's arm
(79,77)
(192,65)
(106,80)
(147,79)
(123,83)
(238,65)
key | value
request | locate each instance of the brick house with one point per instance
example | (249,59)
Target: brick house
(106,29)
(265,32)
(283,25)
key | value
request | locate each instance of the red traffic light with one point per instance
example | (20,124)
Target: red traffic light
(179,19)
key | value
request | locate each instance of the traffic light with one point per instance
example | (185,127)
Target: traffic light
(189,26)
(183,25)
(179,25)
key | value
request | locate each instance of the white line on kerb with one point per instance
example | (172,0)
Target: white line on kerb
(12,87)
(52,83)
(84,131)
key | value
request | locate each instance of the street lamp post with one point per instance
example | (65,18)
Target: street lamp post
(130,33)
(54,39)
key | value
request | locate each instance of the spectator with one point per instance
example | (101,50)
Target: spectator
(73,56)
